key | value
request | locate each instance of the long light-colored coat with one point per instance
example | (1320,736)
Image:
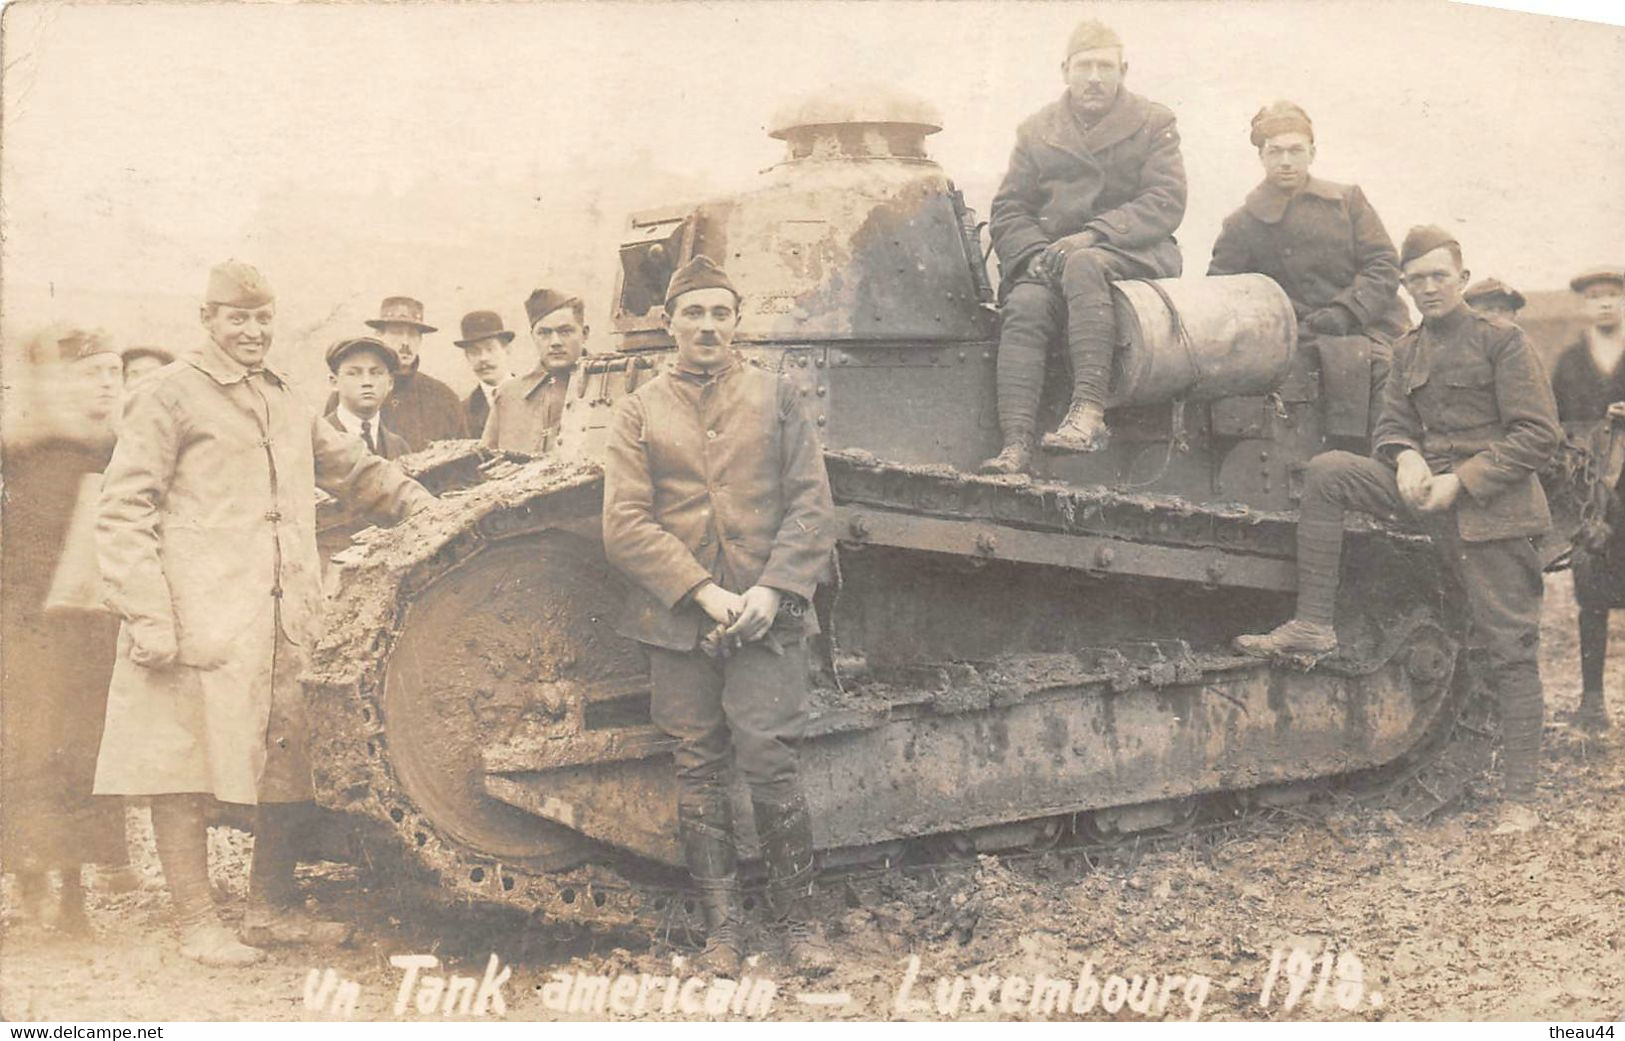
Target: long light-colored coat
(207,534)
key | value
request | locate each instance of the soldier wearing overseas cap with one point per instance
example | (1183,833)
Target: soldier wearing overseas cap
(1320,241)
(362,370)
(1494,297)
(485,345)
(717,507)
(1095,190)
(420,408)
(207,544)
(1588,378)
(528,409)
(1467,420)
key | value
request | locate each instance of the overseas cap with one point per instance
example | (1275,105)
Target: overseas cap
(700,273)
(1424,239)
(1280,117)
(1092,35)
(236,284)
(1489,290)
(1595,275)
(75,343)
(344,348)
(544,302)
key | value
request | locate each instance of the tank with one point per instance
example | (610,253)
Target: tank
(1006,662)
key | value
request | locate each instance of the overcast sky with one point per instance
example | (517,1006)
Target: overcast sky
(141,142)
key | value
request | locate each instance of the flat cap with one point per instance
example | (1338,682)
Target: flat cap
(699,273)
(1091,35)
(1491,290)
(74,343)
(482,325)
(342,349)
(544,302)
(1597,274)
(236,284)
(1424,239)
(1280,117)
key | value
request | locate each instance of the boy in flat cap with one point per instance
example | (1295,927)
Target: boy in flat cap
(362,370)
(138,361)
(1320,241)
(528,409)
(420,409)
(1495,298)
(717,507)
(1588,378)
(1467,420)
(485,347)
(207,543)
(1095,190)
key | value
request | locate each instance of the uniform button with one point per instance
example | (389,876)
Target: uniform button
(273,515)
(710,435)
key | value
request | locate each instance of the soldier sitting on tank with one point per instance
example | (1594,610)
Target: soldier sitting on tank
(717,506)
(1467,419)
(1321,242)
(1095,190)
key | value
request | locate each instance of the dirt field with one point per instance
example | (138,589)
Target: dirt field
(1446,920)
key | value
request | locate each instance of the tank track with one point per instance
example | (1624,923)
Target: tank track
(610,889)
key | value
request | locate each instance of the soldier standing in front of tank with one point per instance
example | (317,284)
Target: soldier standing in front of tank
(1467,420)
(527,410)
(1588,378)
(1094,193)
(717,506)
(1320,241)
(206,537)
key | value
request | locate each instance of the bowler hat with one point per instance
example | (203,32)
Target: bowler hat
(400,310)
(1597,274)
(482,325)
(342,349)
(1486,290)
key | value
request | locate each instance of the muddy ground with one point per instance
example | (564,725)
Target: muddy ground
(1447,921)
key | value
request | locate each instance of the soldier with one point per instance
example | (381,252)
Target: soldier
(362,370)
(1494,297)
(485,347)
(528,409)
(421,408)
(1095,189)
(1320,241)
(207,544)
(717,506)
(138,361)
(1590,375)
(1467,419)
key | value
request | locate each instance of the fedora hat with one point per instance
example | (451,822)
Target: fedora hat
(401,310)
(482,325)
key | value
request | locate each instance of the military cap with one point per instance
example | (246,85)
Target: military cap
(236,284)
(1424,239)
(342,349)
(482,325)
(1280,117)
(1597,274)
(699,273)
(400,310)
(1487,290)
(1092,35)
(544,302)
(75,343)
(147,351)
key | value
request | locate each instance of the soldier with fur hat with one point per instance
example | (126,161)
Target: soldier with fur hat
(1467,421)
(527,410)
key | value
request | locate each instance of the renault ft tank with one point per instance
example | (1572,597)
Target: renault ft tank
(1006,662)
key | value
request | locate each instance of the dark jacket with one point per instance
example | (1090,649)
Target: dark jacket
(1469,393)
(1583,392)
(717,478)
(528,412)
(1123,178)
(420,409)
(391,445)
(476,409)
(1324,245)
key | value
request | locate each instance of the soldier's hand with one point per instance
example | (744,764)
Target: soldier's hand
(1053,259)
(1442,493)
(152,645)
(718,604)
(761,607)
(1412,474)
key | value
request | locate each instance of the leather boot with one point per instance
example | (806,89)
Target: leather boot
(274,915)
(1593,714)
(705,828)
(1015,458)
(1083,430)
(785,830)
